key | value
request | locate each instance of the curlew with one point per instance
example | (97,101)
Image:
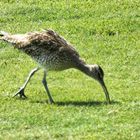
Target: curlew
(52,52)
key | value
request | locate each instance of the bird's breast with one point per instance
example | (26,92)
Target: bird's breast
(50,59)
(54,61)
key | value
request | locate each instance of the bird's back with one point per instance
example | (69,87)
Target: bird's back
(48,48)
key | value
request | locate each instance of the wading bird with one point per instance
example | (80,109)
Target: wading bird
(52,52)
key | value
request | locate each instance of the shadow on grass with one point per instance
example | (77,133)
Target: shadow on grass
(84,103)
(78,103)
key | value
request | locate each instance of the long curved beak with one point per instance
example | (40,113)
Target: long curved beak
(105,91)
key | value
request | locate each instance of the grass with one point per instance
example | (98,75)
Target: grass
(104,32)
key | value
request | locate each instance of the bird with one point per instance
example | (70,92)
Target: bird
(52,52)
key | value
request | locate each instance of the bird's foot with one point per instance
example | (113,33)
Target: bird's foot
(21,93)
(50,101)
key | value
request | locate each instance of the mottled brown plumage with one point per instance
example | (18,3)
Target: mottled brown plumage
(52,52)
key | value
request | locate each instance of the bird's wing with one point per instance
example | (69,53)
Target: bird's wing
(60,40)
(50,40)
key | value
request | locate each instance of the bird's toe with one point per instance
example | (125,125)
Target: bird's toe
(21,94)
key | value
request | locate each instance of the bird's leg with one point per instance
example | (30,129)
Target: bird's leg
(46,88)
(20,92)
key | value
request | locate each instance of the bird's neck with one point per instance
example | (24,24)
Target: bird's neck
(84,68)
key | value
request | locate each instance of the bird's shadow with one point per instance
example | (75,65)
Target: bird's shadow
(79,103)
(84,103)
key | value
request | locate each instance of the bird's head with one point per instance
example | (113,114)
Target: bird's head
(97,73)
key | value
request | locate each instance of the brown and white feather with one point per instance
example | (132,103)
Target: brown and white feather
(48,48)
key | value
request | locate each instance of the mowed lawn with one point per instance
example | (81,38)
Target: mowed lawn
(105,32)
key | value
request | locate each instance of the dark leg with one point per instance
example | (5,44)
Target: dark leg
(46,88)
(21,90)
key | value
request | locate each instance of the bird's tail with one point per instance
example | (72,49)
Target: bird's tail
(17,40)
(3,35)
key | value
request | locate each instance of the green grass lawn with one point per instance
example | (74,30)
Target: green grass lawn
(105,32)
